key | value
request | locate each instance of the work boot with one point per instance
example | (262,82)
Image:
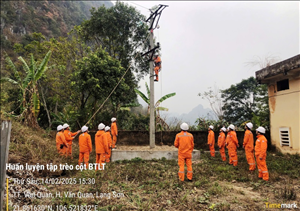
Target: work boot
(155,80)
(189,180)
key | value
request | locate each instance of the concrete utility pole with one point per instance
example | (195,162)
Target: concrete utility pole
(152,17)
(152,108)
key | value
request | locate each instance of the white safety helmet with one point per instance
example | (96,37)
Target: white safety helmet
(66,126)
(231,127)
(101,126)
(249,125)
(113,119)
(84,128)
(261,130)
(59,127)
(184,126)
(211,127)
(107,128)
(224,129)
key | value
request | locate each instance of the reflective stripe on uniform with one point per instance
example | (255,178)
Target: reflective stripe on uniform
(182,172)
(189,172)
(251,163)
(185,135)
(264,171)
(259,170)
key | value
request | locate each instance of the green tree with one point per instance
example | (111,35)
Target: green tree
(94,78)
(118,30)
(30,105)
(244,101)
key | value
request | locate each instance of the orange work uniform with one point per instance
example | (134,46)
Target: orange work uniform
(61,144)
(157,63)
(249,149)
(232,143)
(85,148)
(114,133)
(69,136)
(101,147)
(211,142)
(261,146)
(184,141)
(221,144)
(109,145)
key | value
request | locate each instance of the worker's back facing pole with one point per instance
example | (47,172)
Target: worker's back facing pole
(152,108)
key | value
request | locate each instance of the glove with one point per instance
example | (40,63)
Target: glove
(61,146)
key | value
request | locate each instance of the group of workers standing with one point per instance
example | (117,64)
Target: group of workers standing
(184,141)
(105,141)
(106,138)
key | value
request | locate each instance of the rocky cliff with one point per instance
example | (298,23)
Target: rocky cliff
(51,18)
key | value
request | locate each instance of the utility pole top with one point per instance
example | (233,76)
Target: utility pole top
(156,13)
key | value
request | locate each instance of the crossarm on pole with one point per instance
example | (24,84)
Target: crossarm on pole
(152,51)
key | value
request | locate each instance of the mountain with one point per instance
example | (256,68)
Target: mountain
(51,18)
(191,117)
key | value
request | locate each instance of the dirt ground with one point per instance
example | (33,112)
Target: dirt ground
(147,148)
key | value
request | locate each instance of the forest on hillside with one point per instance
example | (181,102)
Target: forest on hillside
(19,19)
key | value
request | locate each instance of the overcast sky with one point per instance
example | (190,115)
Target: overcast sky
(207,44)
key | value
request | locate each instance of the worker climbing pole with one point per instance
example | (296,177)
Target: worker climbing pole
(153,25)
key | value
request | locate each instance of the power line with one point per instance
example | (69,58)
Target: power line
(139,5)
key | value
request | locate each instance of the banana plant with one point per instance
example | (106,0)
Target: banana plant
(28,85)
(147,99)
(157,104)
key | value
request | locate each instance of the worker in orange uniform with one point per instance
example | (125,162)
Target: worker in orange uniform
(211,140)
(101,145)
(261,146)
(184,141)
(61,144)
(114,132)
(85,146)
(109,143)
(69,136)
(157,66)
(232,145)
(248,145)
(221,143)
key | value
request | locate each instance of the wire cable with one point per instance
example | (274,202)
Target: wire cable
(139,5)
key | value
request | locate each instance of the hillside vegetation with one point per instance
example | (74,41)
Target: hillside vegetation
(51,18)
(79,69)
